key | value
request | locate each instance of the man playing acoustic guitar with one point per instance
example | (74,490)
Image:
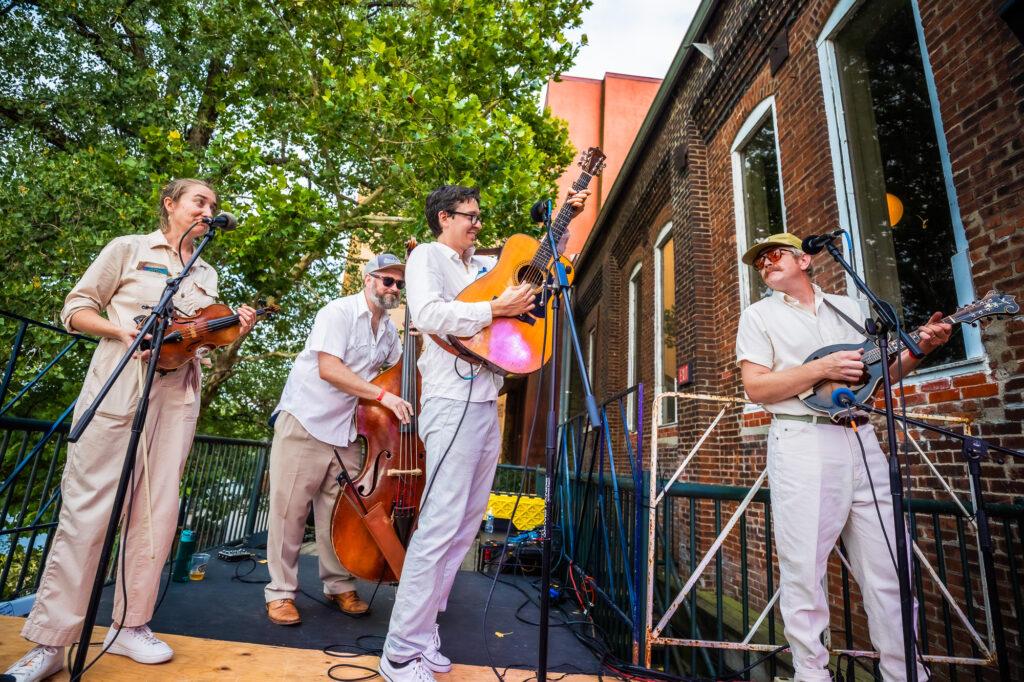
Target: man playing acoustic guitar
(458,424)
(820,488)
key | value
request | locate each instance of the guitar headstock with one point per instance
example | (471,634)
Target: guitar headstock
(592,161)
(994,303)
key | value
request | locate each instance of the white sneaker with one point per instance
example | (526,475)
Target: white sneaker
(38,664)
(416,671)
(139,644)
(433,658)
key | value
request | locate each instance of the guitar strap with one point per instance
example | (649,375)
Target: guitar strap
(846,318)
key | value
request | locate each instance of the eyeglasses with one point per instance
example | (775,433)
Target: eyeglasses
(474,218)
(390,281)
(771,255)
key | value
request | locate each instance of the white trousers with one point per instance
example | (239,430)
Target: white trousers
(820,492)
(449,517)
(303,470)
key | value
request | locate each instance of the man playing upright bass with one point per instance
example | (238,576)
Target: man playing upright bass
(821,485)
(351,339)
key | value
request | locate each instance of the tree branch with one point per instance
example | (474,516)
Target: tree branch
(51,134)
(199,134)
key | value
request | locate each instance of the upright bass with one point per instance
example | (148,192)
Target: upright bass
(375,513)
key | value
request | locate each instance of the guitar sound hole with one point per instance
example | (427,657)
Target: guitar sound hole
(529,274)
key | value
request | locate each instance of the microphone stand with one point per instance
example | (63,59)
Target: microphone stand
(559,290)
(887,320)
(156,324)
(973,450)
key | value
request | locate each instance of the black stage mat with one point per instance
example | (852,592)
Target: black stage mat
(221,608)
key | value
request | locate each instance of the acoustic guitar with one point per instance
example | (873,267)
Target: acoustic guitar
(521,345)
(819,397)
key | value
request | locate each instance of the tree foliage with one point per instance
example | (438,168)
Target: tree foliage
(323,123)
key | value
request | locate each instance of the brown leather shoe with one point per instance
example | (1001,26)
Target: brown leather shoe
(283,612)
(349,602)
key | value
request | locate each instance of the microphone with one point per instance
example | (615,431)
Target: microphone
(817,243)
(223,220)
(539,211)
(843,397)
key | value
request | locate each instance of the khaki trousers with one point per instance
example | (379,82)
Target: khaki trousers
(303,470)
(88,487)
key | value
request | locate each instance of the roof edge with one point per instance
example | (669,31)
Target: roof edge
(659,106)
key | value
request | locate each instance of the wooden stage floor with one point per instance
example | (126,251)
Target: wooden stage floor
(210,659)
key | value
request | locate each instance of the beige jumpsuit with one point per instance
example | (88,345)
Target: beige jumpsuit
(128,274)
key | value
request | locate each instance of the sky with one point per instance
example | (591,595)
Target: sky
(637,37)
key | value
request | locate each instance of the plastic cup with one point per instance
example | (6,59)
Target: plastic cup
(197,566)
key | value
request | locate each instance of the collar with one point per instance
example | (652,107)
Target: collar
(454,255)
(791,301)
(157,240)
(362,307)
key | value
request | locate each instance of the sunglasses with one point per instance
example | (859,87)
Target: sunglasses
(771,255)
(390,281)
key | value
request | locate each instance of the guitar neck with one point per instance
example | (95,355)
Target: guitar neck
(559,225)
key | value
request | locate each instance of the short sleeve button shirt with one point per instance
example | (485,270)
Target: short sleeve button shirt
(777,333)
(342,329)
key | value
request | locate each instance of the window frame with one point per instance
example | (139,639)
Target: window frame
(633,297)
(664,236)
(750,125)
(846,196)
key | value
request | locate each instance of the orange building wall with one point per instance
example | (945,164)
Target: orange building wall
(604,113)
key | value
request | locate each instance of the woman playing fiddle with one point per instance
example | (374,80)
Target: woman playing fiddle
(126,278)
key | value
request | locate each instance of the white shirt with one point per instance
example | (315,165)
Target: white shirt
(342,329)
(434,276)
(776,332)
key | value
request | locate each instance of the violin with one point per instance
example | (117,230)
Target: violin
(208,328)
(375,514)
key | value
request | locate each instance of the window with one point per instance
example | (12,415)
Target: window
(757,187)
(664,322)
(633,355)
(892,169)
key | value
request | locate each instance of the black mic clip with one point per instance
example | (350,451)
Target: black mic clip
(222,220)
(816,243)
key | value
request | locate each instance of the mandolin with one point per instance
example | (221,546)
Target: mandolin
(521,345)
(819,397)
(189,336)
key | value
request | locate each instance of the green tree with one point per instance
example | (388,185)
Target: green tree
(322,123)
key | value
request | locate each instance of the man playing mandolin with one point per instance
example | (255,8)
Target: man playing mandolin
(351,339)
(458,424)
(820,489)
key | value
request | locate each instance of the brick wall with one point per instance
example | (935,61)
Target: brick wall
(684,174)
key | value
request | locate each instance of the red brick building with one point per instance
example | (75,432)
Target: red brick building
(897,120)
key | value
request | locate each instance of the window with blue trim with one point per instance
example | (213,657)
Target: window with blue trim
(901,208)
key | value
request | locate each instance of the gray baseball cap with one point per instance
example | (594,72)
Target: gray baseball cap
(385,261)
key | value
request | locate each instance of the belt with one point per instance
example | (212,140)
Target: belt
(858,420)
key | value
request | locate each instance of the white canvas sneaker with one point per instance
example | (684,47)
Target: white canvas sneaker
(415,671)
(433,658)
(38,664)
(139,644)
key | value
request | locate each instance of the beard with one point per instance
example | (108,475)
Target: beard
(387,301)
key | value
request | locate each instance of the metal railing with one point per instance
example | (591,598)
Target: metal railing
(223,493)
